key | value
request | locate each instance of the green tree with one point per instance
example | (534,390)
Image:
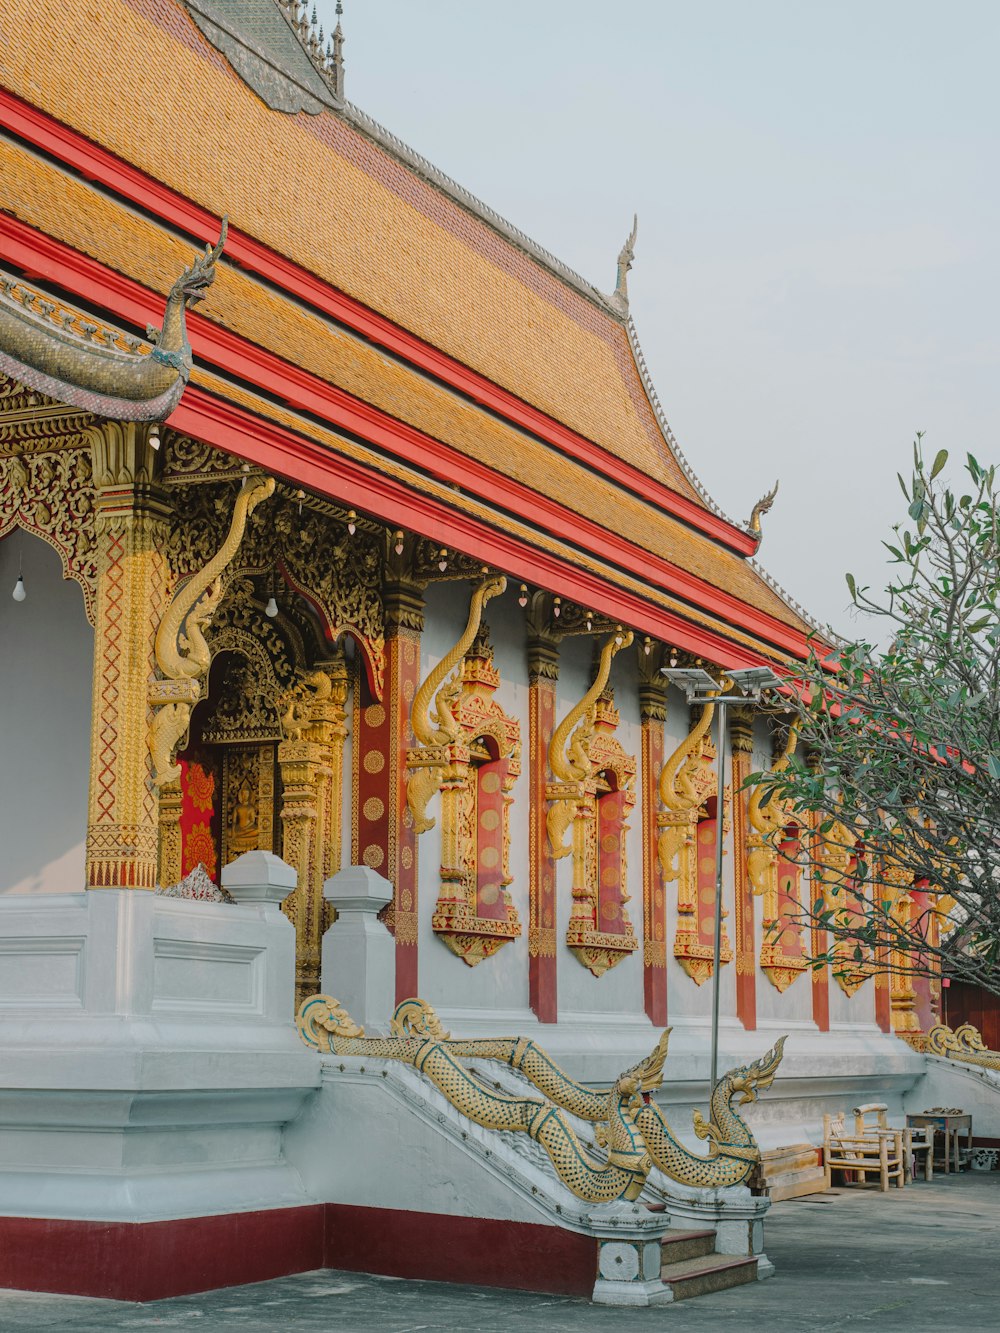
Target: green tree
(898,760)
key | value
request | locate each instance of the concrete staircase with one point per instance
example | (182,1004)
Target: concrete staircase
(690,1266)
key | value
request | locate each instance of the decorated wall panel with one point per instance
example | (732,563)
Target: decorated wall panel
(686,847)
(468,750)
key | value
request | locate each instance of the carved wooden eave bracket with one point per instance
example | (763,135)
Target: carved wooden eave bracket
(582,748)
(469,750)
(58,352)
(687,781)
(182,654)
(782,958)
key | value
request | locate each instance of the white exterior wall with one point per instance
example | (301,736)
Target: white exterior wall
(46,670)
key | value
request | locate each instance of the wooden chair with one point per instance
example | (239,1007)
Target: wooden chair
(871,1119)
(861,1153)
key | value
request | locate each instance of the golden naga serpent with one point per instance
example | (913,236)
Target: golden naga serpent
(324,1024)
(631,1126)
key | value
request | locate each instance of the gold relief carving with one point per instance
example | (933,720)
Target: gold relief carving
(129,526)
(46,488)
(170,841)
(470,751)
(311,759)
(781,955)
(687,781)
(182,653)
(247,800)
(432,717)
(590,795)
(187,462)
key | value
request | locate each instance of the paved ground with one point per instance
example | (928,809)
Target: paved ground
(916,1259)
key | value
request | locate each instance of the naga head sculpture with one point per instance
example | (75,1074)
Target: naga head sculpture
(195,281)
(320,1018)
(746,1083)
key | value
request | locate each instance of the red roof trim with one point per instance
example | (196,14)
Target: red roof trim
(230,427)
(37,253)
(96,163)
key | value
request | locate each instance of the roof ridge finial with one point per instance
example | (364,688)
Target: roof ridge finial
(336,62)
(625,257)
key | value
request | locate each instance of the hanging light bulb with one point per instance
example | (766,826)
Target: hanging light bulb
(398,548)
(557,607)
(443,559)
(20,592)
(154,436)
(522,599)
(647,645)
(300,496)
(271,610)
(673,657)
(590,621)
(352,525)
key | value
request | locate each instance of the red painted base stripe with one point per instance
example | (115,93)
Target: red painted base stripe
(149,1261)
(480,1251)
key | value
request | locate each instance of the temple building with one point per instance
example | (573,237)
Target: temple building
(348,540)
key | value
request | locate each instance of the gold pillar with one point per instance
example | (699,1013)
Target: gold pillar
(171,802)
(311,761)
(130,530)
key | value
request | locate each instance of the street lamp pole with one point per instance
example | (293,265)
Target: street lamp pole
(699,687)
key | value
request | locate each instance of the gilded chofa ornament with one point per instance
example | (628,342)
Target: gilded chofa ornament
(182,654)
(781,955)
(590,796)
(470,751)
(686,839)
(628,1123)
(84,364)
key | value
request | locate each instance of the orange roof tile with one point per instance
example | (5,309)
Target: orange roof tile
(318,190)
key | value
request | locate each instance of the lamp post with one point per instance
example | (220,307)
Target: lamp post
(699,687)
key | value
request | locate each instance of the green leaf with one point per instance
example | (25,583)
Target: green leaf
(993,764)
(939,462)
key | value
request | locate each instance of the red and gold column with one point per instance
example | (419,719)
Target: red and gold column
(131,529)
(653,715)
(741,736)
(383,835)
(543,672)
(819,939)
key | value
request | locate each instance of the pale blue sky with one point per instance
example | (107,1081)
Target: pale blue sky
(816,274)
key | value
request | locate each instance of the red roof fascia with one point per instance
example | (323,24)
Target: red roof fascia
(96,163)
(232,428)
(37,253)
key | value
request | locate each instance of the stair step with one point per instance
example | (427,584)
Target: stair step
(711,1272)
(679,1245)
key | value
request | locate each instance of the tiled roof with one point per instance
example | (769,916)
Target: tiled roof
(138,78)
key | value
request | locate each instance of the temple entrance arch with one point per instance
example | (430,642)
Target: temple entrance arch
(46,652)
